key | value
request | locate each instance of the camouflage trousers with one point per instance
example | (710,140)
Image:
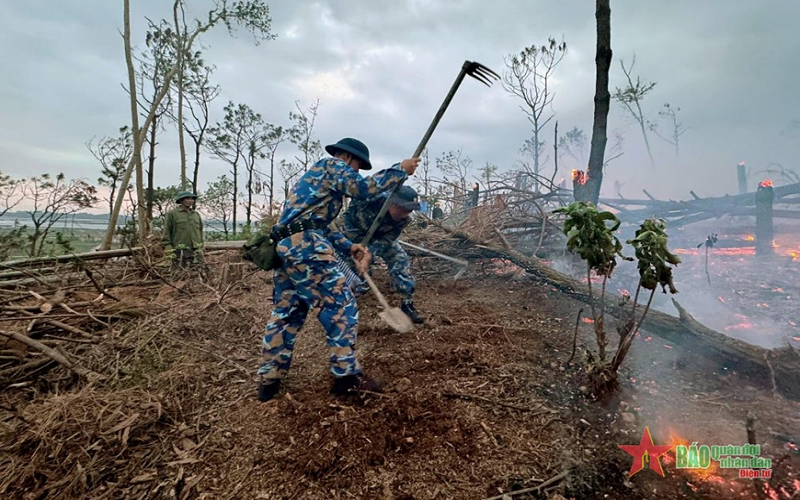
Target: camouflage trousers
(309,278)
(399,264)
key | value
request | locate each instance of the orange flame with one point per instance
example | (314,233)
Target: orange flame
(766,183)
(587,320)
(579,177)
(699,474)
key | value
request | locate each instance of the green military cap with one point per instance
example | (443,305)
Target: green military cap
(185,194)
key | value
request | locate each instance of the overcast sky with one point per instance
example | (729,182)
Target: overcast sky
(381,68)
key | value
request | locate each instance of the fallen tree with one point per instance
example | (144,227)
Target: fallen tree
(41,262)
(775,369)
(698,209)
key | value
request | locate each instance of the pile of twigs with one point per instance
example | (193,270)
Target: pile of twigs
(94,397)
(513,217)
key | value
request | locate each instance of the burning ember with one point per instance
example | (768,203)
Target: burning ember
(708,474)
(587,320)
(579,177)
(744,323)
(766,183)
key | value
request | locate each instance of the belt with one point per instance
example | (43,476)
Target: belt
(298,227)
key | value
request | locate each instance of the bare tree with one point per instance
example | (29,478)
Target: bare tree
(11,240)
(575,144)
(670,114)
(9,193)
(182,52)
(275,135)
(289,171)
(155,63)
(423,174)
(456,169)
(302,135)
(218,204)
(136,157)
(52,200)
(240,140)
(488,176)
(590,190)
(528,77)
(631,97)
(113,153)
(253,15)
(200,92)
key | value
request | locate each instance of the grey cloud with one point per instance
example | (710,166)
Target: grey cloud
(381,69)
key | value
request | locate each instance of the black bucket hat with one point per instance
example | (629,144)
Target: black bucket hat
(354,147)
(405,197)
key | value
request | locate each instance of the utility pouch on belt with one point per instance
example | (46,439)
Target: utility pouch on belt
(262,251)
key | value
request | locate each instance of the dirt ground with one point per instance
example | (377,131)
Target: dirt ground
(479,401)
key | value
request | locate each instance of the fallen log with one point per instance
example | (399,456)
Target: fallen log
(63,259)
(746,199)
(749,360)
(102,254)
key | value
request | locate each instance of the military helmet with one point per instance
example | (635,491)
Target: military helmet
(405,197)
(355,148)
(185,194)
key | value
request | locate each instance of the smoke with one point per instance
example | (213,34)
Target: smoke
(749,298)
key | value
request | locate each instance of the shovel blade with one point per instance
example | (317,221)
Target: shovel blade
(397,319)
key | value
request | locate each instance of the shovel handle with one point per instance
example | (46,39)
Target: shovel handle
(437,254)
(378,293)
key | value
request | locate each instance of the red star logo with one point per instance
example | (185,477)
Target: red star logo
(645,451)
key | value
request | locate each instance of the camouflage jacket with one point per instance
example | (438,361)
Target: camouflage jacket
(359,216)
(320,193)
(182,229)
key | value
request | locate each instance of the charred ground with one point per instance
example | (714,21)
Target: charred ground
(479,401)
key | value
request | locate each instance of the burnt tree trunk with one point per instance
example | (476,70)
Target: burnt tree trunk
(602,103)
(765,195)
(741,174)
(763,367)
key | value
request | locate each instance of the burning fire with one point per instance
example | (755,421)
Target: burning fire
(766,183)
(699,474)
(587,320)
(741,251)
(579,177)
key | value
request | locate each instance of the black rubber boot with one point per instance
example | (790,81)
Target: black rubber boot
(268,389)
(349,384)
(408,308)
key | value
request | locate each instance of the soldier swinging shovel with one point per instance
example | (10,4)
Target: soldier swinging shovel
(397,318)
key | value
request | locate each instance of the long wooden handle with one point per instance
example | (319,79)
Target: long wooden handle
(437,254)
(420,148)
(378,293)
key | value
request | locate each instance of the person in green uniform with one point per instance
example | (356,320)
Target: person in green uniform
(183,232)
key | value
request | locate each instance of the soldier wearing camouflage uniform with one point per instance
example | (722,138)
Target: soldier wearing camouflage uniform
(182,238)
(357,220)
(309,277)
